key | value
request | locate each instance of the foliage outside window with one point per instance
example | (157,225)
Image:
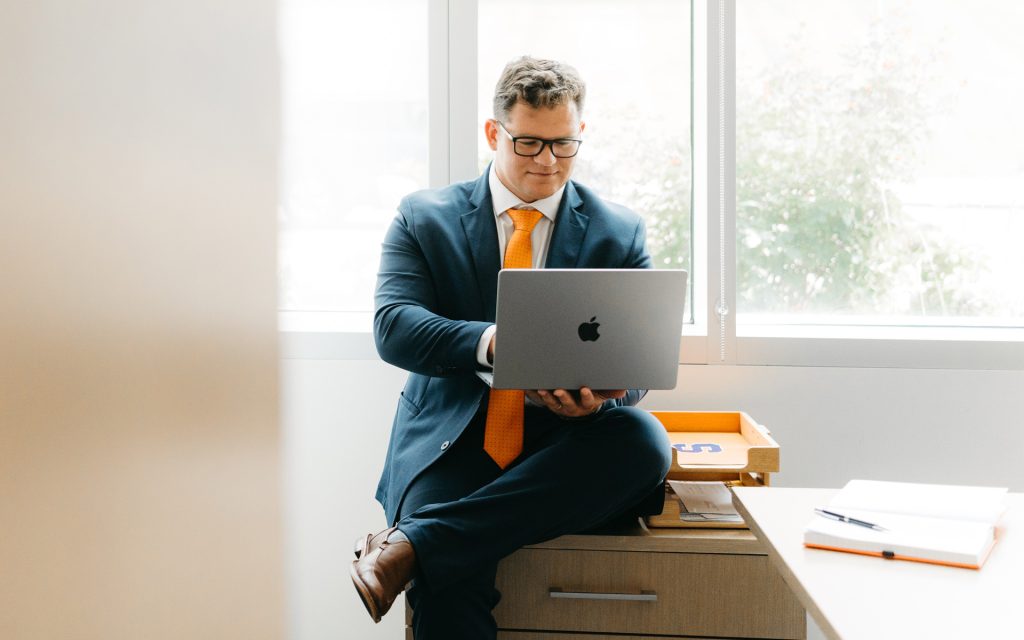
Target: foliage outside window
(837,137)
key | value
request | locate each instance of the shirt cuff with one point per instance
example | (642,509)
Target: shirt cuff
(481,347)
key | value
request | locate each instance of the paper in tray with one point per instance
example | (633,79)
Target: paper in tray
(711,449)
(708,441)
(672,516)
(705,501)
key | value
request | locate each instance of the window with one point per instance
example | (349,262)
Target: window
(354,142)
(855,199)
(635,59)
(879,169)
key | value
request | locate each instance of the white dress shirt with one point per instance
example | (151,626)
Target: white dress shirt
(540,237)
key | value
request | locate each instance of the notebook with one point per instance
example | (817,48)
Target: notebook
(939,524)
(598,328)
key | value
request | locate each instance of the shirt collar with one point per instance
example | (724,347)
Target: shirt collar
(503,199)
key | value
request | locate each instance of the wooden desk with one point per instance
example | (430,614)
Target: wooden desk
(853,597)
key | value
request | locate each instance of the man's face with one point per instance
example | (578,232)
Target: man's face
(532,179)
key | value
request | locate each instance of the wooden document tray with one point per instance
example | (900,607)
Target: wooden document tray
(726,446)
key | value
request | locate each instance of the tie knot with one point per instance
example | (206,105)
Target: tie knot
(524,219)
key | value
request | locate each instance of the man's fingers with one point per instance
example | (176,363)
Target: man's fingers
(563,403)
(590,399)
(568,402)
(549,400)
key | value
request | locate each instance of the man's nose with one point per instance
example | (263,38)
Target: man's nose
(546,156)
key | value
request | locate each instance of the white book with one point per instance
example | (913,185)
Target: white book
(941,524)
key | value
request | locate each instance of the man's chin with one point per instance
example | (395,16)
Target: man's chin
(544,186)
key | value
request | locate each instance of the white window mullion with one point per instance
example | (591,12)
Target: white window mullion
(454,125)
(721,181)
(694,349)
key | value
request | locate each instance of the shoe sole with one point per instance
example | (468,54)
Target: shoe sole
(364,593)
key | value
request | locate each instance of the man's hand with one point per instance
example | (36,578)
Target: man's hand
(563,404)
(490,350)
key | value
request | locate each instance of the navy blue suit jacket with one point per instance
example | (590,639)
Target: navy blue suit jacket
(437,292)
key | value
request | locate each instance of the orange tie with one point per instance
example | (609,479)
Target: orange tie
(503,435)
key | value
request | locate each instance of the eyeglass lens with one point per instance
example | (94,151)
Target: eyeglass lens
(534,146)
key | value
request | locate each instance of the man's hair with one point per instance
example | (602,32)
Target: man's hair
(538,83)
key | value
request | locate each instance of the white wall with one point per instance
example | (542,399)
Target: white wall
(337,418)
(139,441)
(832,425)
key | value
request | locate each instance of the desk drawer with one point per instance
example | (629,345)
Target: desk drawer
(544,635)
(646,593)
(562,635)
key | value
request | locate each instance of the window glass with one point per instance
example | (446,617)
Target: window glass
(635,59)
(880,161)
(354,87)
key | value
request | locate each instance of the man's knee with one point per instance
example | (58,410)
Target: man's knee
(642,438)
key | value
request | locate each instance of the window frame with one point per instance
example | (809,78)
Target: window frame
(714,338)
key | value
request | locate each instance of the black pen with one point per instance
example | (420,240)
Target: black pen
(840,517)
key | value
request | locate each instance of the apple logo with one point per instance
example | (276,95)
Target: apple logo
(588,330)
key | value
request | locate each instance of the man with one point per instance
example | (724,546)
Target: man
(473,474)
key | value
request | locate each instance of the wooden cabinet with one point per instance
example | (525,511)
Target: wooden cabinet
(689,583)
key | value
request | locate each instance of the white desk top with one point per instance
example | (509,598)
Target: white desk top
(853,597)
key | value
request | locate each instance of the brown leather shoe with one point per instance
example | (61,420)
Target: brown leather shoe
(381,571)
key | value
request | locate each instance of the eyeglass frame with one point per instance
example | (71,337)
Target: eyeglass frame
(544,143)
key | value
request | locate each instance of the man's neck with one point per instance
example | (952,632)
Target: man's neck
(504,197)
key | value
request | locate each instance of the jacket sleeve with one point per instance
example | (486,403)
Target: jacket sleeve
(408,331)
(638,257)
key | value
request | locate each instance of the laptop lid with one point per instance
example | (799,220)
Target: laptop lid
(600,328)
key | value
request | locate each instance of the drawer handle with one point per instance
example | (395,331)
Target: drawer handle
(643,596)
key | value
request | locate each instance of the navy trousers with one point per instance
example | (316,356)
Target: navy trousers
(464,514)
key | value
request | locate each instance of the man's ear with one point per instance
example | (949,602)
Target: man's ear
(491,133)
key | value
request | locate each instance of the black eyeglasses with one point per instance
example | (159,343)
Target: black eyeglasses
(530,147)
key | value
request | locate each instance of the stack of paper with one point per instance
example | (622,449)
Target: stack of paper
(938,524)
(705,502)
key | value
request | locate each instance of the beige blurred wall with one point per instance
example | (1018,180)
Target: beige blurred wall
(139,442)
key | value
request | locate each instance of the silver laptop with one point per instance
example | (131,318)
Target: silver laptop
(600,328)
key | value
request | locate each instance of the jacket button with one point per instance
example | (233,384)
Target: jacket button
(444,445)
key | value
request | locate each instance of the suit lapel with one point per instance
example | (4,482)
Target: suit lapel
(570,228)
(482,238)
